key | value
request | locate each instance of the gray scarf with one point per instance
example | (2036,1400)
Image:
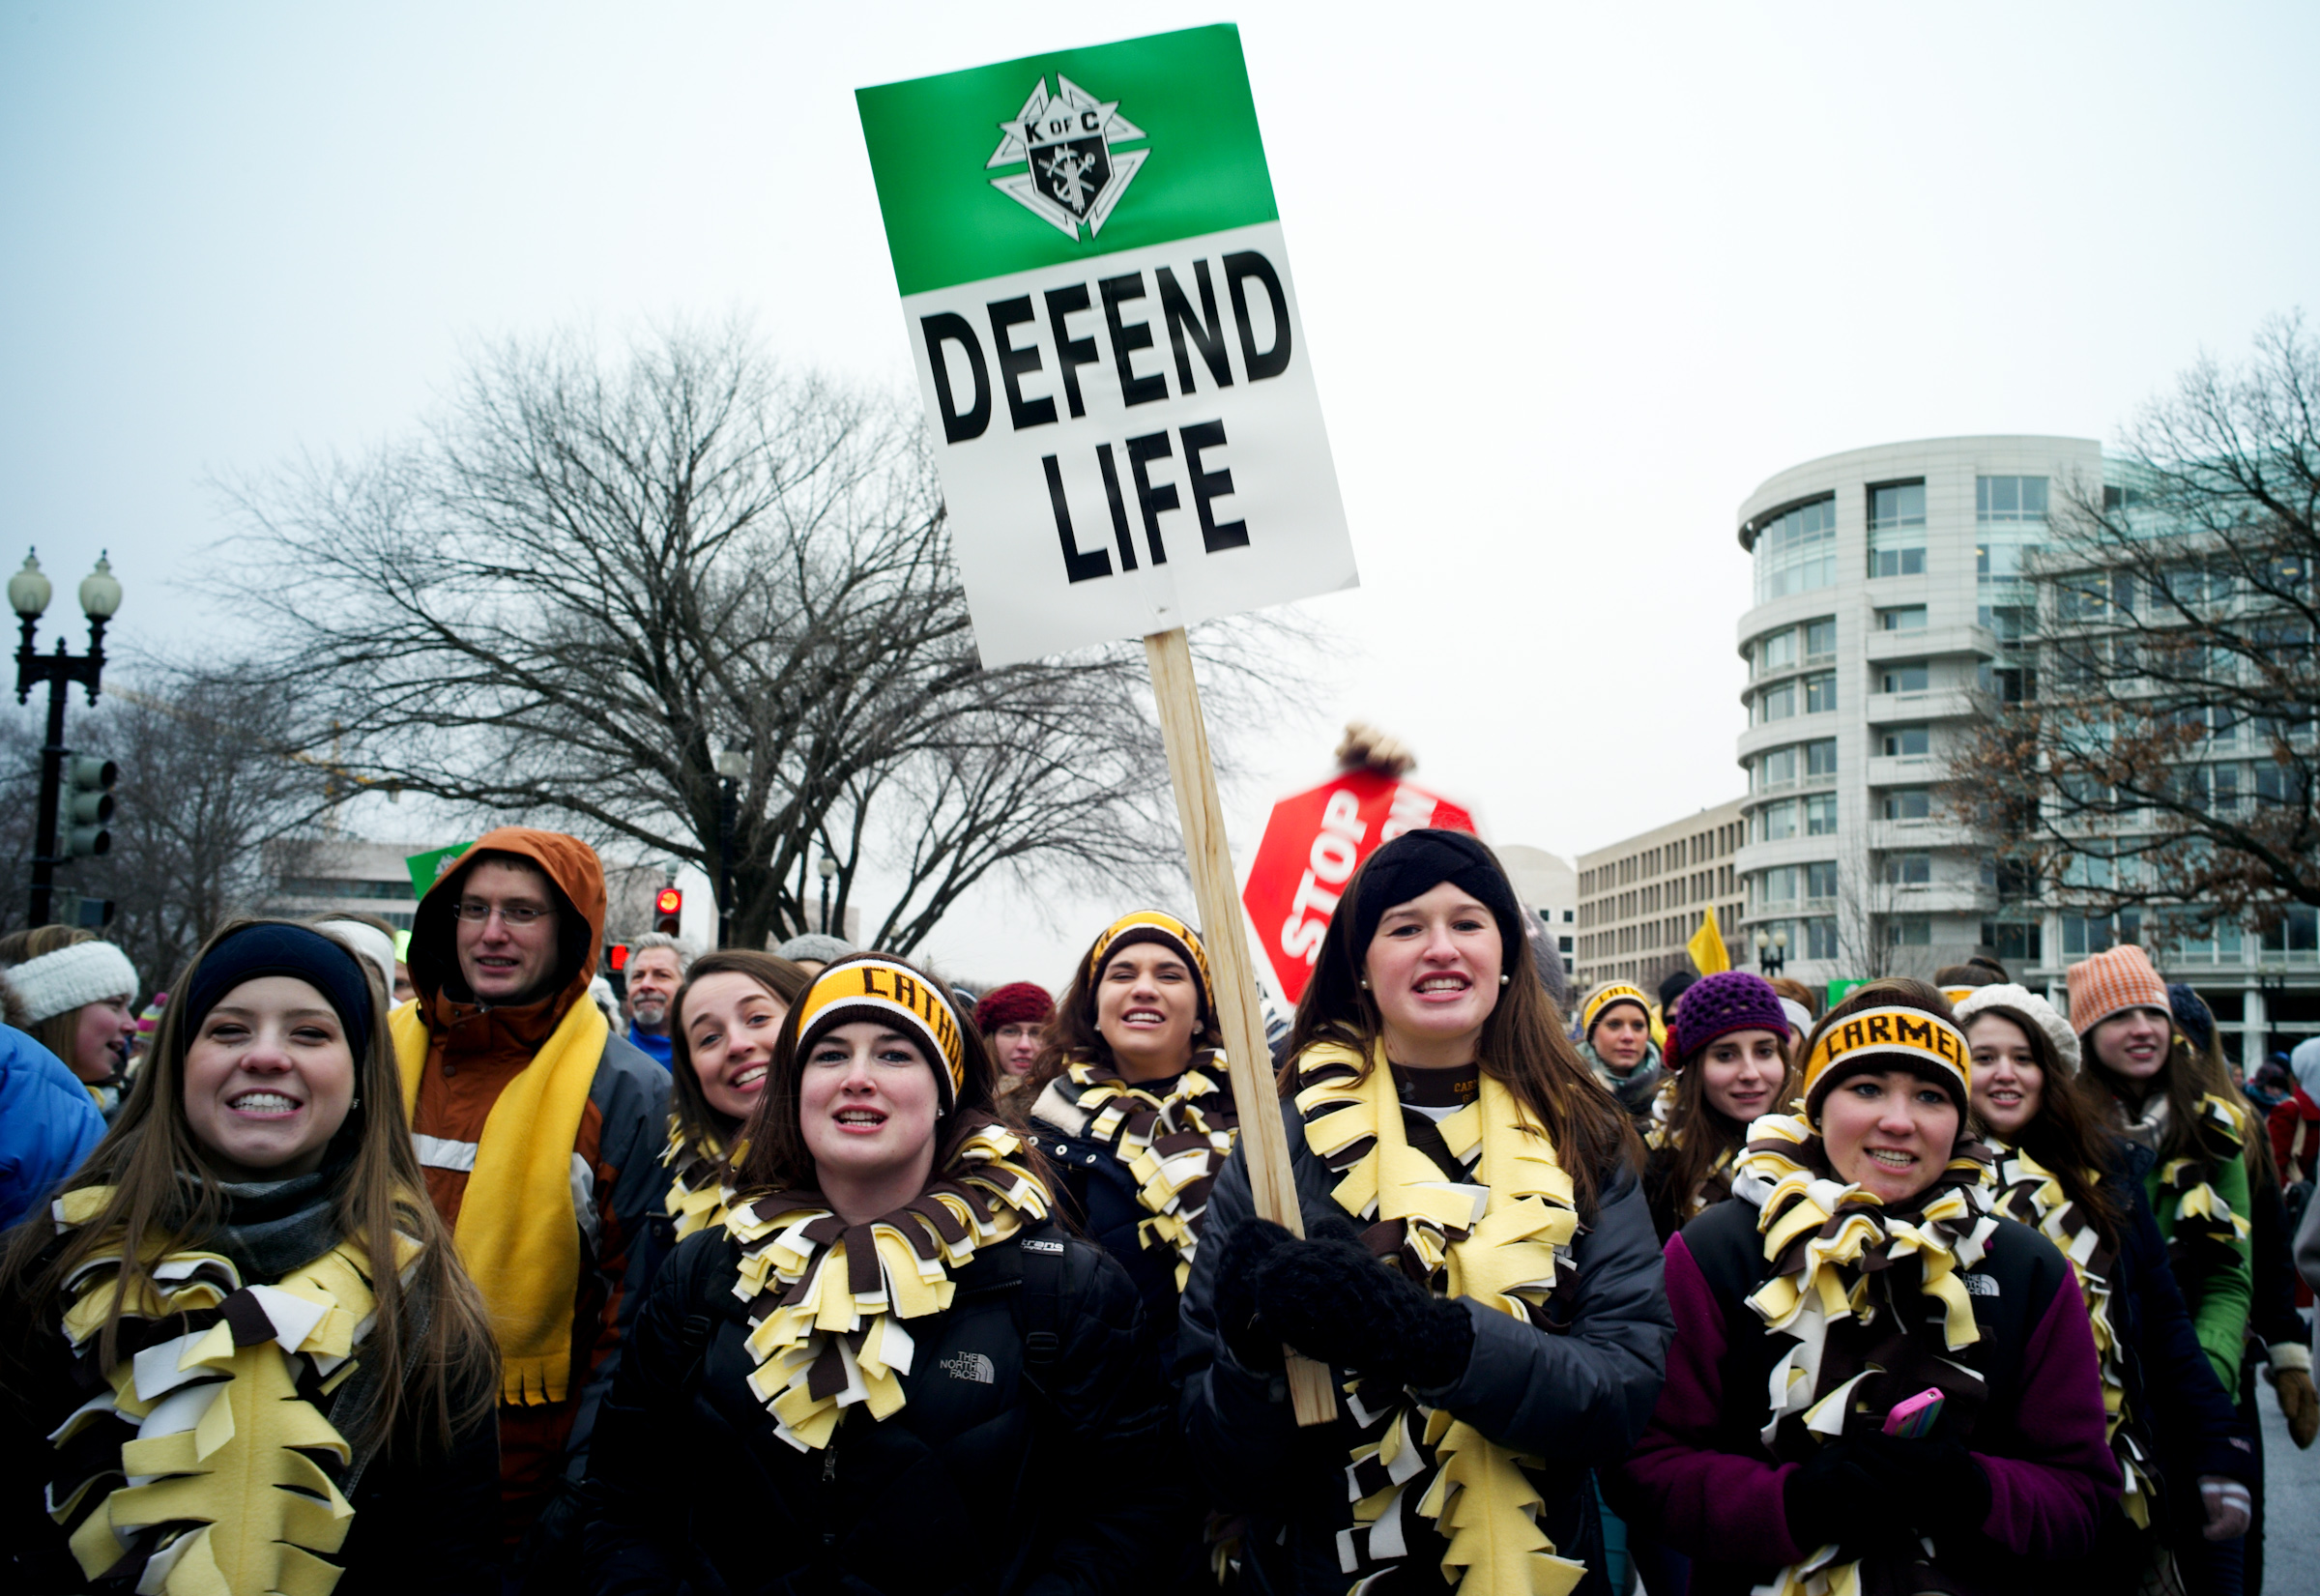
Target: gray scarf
(2147,1129)
(273,1226)
(1637,1088)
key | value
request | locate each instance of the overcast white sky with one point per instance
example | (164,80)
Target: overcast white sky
(1576,279)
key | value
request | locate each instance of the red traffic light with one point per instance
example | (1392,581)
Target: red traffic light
(668,901)
(616,957)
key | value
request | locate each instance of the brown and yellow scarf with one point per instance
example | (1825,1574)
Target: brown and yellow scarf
(1173,1141)
(827,1300)
(203,1464)
(700,1180)
(1503,1237)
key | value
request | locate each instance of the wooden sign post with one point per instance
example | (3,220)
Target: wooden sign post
(1263,1144)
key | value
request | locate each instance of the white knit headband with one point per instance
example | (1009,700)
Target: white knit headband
(86,973)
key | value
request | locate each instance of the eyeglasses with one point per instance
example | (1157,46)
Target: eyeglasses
(516,917)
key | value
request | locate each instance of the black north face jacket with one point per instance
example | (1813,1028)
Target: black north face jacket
(1054,1472)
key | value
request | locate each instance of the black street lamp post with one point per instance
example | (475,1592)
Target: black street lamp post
(829,870)
(1771,953)
(732,766)
(28,595)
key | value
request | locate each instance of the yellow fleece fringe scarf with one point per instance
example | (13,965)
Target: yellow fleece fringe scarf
(1840,1228)
(700,1189)
(212,1491)
(1175,1156)
(2204,1222)
(1502,1239)
(829,1299)
(517,1233)
(2029,1192)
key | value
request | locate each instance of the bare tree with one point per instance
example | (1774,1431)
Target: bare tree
(584,579)
(2159,752)
(208,782)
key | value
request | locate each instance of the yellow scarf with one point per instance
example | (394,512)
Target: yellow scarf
(699,1190)
(2029,1192)
(1175,1144)
(828,1298)
(517,1233)
(224,1499)
(1504,1240)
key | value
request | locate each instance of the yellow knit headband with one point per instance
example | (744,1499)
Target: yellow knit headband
(1616,992)
(1173,931)
(1907,1034)
(890,990)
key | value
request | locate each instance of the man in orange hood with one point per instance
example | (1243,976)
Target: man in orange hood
(541,1133)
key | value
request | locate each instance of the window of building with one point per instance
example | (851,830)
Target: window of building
(1820,758)
(341,886)
(1777,821)
(1906,742)
(1909,803)
(1820,693)
(1775,652)
(2084,934)
(1820,815)
(1797,552)
(2009,498)
(2298,931)
(1776,768)
(1820,638)
(1897,530)
(1777,703)
(1909,676)
(1904,617)
(1781,884)
(1908,869)
(2014,943)
(1820,879)
(1909,930)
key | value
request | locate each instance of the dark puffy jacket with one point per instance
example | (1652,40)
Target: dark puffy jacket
(1100,1196)
(1703,1480)
(48,1123)
(1578,1400)
(977,1484)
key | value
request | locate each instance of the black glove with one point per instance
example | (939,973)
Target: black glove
(1833,1498)
(1254,1346)
(1331,1299)
(1935,1479)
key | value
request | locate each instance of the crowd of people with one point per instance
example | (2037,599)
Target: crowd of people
(804,1270)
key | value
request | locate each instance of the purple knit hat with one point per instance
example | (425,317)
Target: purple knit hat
(1716,1005)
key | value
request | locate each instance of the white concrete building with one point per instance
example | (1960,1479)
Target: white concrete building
(1547,882)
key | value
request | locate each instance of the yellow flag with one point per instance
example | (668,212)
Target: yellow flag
(1706,947)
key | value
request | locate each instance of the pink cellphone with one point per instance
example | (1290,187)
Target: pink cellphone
(1917,1417)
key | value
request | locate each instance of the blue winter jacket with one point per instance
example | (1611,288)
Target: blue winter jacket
(48,1123)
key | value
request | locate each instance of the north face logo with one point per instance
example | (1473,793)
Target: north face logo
(974,1366)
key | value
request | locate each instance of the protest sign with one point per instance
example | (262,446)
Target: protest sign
(1312,843)
(427,867)
(1121,404)
(1118,390)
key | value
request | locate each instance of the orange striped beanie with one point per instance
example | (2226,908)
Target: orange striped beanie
(2112,982)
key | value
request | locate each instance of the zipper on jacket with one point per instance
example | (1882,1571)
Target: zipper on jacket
(830,1475)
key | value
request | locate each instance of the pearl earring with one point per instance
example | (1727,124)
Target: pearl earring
(1504,979)
(1364,983)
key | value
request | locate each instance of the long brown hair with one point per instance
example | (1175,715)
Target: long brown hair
(1073,1030)
(1703,1134)
(2213,1072)
(697,1122)
(1522,1045)
(778,1158)
(438,1367)
(2067,1134)
(2182,1077)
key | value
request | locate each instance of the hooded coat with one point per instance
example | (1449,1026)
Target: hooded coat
(48,1123)
(474,1051)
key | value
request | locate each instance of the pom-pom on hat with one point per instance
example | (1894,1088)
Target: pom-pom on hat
(1605,996)
(1720,1005)
(815,945)
(2193,1019)
(1152,925)
(1017,1004)
(1895,1036)
(2112,982)
(2022,1003)
(888,992)
(84,973)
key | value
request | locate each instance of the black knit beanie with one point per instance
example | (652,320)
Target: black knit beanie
(1415,863)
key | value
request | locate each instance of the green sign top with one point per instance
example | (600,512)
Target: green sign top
(1066,156)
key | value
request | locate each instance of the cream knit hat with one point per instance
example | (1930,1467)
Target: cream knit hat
(86,973)
(2021,1000)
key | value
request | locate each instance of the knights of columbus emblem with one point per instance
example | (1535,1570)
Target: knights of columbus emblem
(1072,175)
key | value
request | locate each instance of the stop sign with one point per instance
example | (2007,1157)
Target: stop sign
(1311,844)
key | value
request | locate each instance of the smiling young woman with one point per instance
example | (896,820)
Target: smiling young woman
(1861,1267)
(1133,1107)
(2179,1446)
(76,996)
(722,1024)
(1728,1052)
(888,1369)
(253,1238)
(1479,1271)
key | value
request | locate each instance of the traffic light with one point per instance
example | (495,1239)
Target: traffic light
(616,958)
(88,803)
(668,908)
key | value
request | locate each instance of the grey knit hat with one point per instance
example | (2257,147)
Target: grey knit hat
(816,946)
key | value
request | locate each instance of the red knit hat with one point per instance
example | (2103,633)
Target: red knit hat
(2112,982)
(1017,1004)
